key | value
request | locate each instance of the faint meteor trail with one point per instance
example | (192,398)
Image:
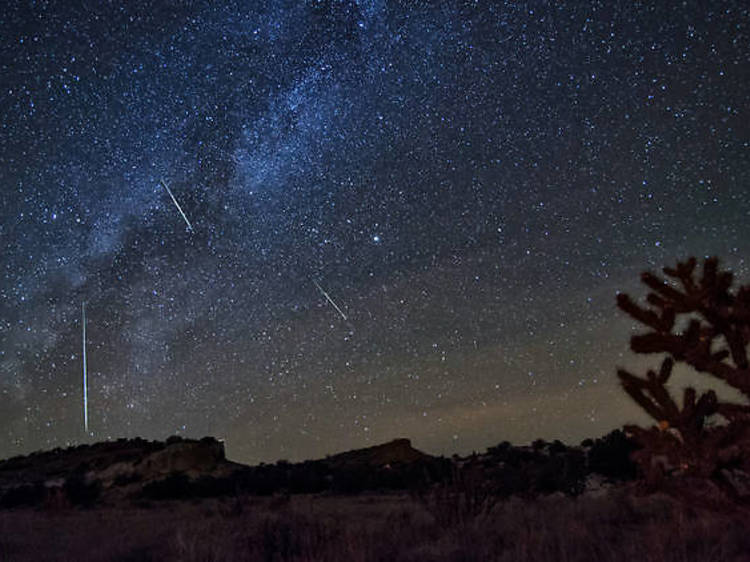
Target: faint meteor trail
(190,226)
(85,381)
(330,299)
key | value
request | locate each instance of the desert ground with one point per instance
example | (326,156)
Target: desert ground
(613,526)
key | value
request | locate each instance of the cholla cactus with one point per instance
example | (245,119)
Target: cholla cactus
(713,341)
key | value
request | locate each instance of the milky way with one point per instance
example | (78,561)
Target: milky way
(470,183)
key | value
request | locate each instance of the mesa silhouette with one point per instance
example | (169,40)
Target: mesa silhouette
(137,470)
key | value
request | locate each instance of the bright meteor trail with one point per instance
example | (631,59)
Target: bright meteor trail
(330,300)
(85,382)
(190,226)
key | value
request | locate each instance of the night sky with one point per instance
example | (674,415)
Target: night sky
(470,183)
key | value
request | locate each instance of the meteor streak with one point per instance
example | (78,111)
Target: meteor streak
(330,299)
(85,382)
(190,226)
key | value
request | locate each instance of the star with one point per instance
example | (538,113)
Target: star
(470,185)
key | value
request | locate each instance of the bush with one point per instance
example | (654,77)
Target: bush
(80,491)
(211,487)
(23,496)
(176,485)
(610,456)
(127,478)
(562,473)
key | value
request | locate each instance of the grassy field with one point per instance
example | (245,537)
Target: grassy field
(616,527)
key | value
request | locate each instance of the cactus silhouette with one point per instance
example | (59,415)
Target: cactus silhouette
(695,319)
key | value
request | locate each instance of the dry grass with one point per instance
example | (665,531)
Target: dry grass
(380,528)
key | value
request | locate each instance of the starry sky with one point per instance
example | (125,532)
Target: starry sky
(407,219)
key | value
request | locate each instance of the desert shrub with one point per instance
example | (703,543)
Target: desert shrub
(126,478)
(564,472)
(264,480)
(544,469)
(176,485)
(293,536)
(557,447)
(511,480)
(352,480)
(610,456)
(308,478)
(500,450)
(80,491)
(465,497)
(23,496)
(211,487)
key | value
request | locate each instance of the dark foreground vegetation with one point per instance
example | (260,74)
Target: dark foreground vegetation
(695,317)
(438,527)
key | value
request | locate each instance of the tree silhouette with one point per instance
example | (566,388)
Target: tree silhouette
(712,337)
